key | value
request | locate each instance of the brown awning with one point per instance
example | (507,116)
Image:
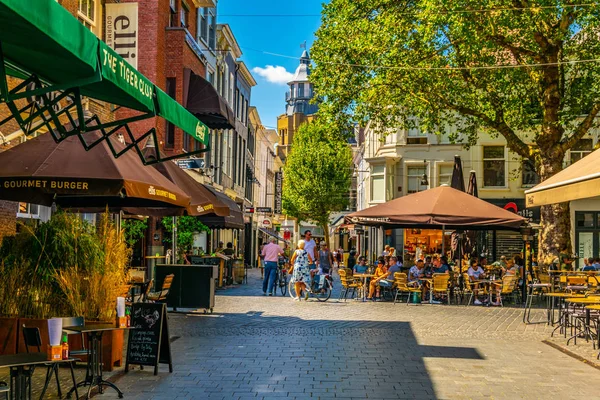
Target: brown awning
(40,171)
(201,99)
(202,200)
(234,221)
(436,208)
(578,181)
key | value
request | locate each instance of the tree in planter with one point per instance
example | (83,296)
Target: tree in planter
(389,61)
(317,174)
(187,226)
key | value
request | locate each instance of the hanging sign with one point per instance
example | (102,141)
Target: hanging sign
(122,30)
(266,222)
(278,189)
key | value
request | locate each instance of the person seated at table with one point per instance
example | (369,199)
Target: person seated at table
(475,273)
(386,251)
(511,268)
(596,263)
(416,272)
(440,265)
(393,267)
(361,267)
(428,267)
(380,273)
(588,264)
(409,262)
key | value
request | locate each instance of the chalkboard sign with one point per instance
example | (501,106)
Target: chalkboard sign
(148,342)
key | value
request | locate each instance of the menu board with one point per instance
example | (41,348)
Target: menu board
(148,342)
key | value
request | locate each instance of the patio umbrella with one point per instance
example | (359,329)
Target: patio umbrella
(41,171)
(458,180)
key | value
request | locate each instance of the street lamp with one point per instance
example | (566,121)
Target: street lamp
(424,181)
(526,231)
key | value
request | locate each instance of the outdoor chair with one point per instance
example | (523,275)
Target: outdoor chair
(577,283)
(4,389)
(467,288)
(75,321)
(506,287)
(538,288)
(164,291)
(440,286)
(401,286)
(348,283)
(32,338)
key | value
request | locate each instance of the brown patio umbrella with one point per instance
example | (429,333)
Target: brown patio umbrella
(42,171)
(458,180)
(234,221)
(201,99)
(437,208)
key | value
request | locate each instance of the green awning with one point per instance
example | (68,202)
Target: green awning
(41,38)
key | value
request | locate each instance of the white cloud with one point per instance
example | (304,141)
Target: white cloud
(274,74)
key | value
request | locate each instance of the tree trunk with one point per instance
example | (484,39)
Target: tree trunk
(325,228)
(555,232)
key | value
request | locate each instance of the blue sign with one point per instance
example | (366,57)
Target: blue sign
(189,163)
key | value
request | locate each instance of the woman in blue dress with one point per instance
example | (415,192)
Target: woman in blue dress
(301,259)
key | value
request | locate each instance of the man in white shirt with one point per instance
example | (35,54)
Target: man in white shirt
(310,247)
(475,273)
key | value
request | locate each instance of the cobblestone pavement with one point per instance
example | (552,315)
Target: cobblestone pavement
(256,347)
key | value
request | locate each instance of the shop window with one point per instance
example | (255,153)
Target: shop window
(494,166)
(528,174)
(415,175)
(28,210)
(86,13)
(584,220)
(444,174)
(378,183)
(581,149)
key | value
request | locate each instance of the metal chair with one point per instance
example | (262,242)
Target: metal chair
(401,286)
(75,321)
(32,338)
(164,291)
(4,389)
(348,283)
(440,285)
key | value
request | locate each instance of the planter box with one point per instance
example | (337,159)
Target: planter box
(112,342)
(8,335)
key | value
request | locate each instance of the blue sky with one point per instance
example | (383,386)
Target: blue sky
(281,35)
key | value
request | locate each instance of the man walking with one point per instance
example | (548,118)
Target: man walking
(310,247)
(270,253)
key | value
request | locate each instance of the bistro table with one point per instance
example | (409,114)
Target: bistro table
(22,366)
(93,376)
(560,296)
(364,288)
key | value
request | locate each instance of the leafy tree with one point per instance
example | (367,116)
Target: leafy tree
(317,174)
(187,226)
(390,60)
(134,230)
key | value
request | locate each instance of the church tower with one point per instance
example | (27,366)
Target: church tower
(298,108)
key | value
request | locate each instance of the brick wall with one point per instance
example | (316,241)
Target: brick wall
(8,218)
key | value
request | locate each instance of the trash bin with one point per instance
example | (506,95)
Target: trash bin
(239,271)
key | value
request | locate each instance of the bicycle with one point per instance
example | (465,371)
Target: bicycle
(280,281)
(321,287)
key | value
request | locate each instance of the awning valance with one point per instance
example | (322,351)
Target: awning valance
(272,234)
(43,44)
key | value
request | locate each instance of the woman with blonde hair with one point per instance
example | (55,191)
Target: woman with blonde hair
(301,259)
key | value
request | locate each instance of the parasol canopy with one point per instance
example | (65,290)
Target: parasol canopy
(441,207)
(41,171)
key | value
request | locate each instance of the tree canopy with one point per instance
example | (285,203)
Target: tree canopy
(526,70)
(317,174)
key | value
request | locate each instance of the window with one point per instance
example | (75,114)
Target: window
(378,183)
(237,103)
(528,174)
(292,94)
(581,149)
(86,13)
(415,135)
(231,83)
(445,174)
(415,175)
(301,90)
(494,171)
(211,77)
(245,112)
(203,24)
(170,128)
(172,13)
(212,29)
(183,14)
(28,210)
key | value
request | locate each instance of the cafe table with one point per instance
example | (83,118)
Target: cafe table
(364,277)
(561,296)
(583,301)
(22,366)
(93,378)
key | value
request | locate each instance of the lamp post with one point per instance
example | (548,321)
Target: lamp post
(527,233)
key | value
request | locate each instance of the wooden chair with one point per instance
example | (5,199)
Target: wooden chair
(401,286)
(440,285)
(164,291)
(349,283)
(32,338)
(467,289)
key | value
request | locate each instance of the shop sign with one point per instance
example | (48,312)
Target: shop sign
(266,210)
(266,222)
(122,30)
(278,191)
(287,235)
(517,206)
(249,210)
(189,163)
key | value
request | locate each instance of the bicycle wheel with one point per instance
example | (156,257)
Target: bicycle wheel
(283,284)
(325,293)
(292,289)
